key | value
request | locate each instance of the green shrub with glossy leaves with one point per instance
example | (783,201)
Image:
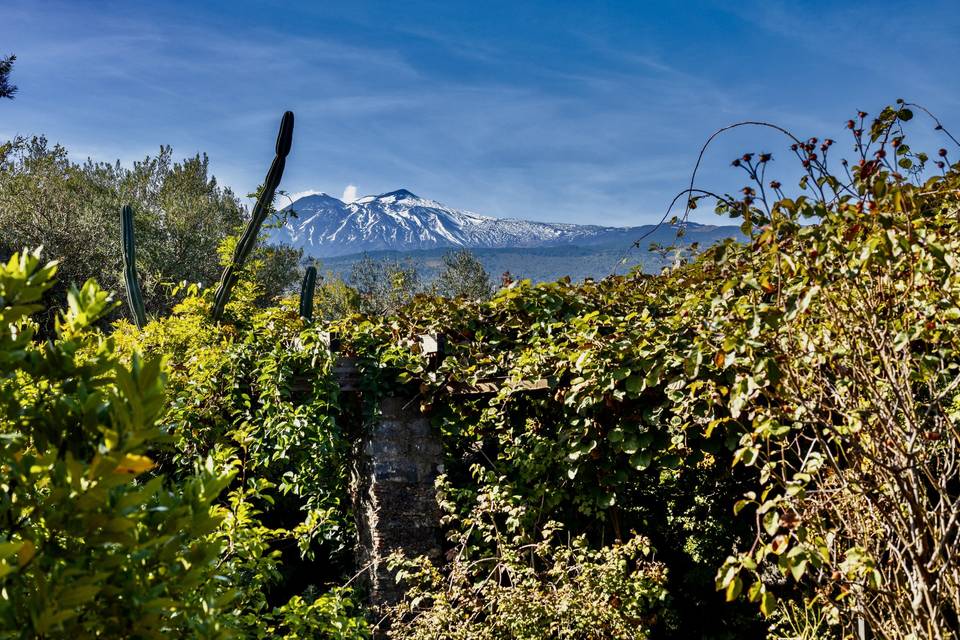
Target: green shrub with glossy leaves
(108,530)
(257,396)
(93,544)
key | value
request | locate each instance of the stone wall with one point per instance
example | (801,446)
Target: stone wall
(393,490)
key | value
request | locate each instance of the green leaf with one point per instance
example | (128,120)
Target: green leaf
(798,568)
(768,604)
(734,589)
(771,521)
(641,460)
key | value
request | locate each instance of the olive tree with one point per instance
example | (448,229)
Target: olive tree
(463,276)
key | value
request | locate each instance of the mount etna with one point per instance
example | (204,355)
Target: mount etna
(403,226)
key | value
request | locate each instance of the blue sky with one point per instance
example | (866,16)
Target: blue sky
(562,111)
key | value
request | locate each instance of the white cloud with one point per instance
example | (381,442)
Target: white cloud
(349,194)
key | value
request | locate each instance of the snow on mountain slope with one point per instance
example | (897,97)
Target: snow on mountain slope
(402,221)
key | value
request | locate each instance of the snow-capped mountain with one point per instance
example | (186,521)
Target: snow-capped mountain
(399,220)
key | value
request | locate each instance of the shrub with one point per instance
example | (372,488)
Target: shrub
(598,447)
(463,276)
(257,397)
(837,343)
(93,544)
(504,582)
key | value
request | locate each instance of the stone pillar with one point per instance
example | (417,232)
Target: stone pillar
(394,497)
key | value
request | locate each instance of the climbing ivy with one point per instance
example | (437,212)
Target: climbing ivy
(258,399)
(791,397)
(769,422)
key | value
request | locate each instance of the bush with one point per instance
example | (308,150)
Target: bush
(463,276)
(257,397)
(838,343)
(598,449)
(503,582)
(383,286)
(93,543)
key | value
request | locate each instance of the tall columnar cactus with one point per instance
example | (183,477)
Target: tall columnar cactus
(260,211)
(307,287)
(129,248)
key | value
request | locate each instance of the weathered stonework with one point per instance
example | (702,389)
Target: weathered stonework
(393,490)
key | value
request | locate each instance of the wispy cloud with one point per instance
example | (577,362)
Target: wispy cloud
(553,113)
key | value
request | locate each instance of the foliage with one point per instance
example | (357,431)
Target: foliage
(548,264)
(96,542)
(181,217)
(463,276)
(839,344)
(598,450)
(816,360)
(802,619)
(383,286)
(788,403)
(275,274)
(529,587)
(256,396)
(93,543)
(330,616)
(334,299)
(7,90)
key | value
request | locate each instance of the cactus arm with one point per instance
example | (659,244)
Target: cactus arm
(129,250)
(249,238)
(307,289)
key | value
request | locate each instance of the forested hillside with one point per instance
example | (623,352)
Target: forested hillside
(547,264)
(759,441)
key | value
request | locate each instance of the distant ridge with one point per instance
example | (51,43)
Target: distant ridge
(400,220)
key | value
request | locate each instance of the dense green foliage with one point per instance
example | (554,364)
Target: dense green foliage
(599,450)
(181,217)
(90,545)
(111,531)
(529,587)
(463,276)
(257,398)
(771,423)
